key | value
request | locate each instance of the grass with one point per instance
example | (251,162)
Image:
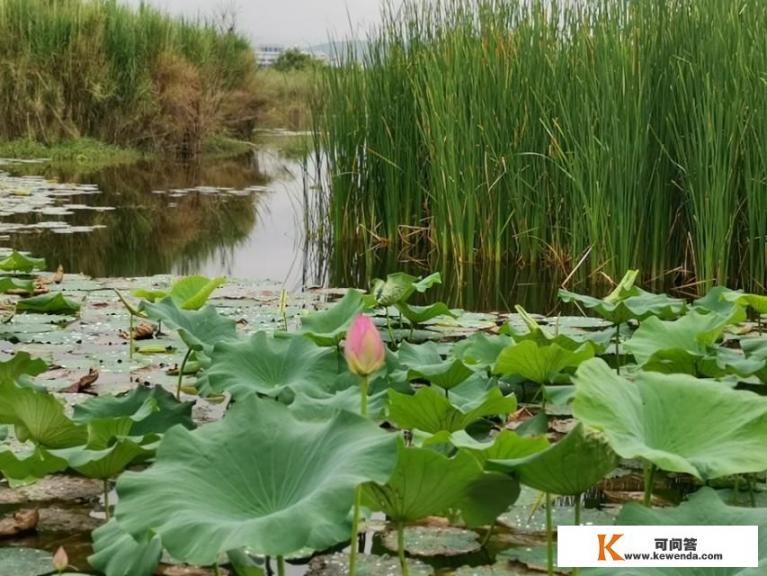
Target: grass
(593,136)
(72,69)
(286,99)
(83,152)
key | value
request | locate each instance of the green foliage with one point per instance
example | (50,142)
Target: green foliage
(258,478)
(51,303)
(188,293)
(18,262)
(555,131)
(676,422)
(294,59)
(117,553)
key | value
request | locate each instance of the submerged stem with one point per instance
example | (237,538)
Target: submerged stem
(649,482)
(354,551)
(181,373)
(107,511)
(549,536)
(401,549)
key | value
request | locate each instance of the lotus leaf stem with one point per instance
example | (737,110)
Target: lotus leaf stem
(649,482)
(354,551)
(577,509)
(617,347)
(107,511)
(181,373)
(130,336)
(280,566)
(549,536)
(488,535)
(401,549)
(389,329)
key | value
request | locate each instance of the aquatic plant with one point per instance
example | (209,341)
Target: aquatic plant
(553,133)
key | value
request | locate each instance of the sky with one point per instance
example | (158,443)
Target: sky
(285,22)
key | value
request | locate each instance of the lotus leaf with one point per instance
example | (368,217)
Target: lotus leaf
(481,350)
(328,327)
(677,422)
(704,508)
(367,565)
(38,416)
(424,483)
(421,314)
(569,467)
(24,562)
(51,303)
(258,478)
(117,553)
(541,364)
(399,287)
(266,365)
(105,463)
(199,329)
(18,262)
(424,362)
(628,302)
(190,293)
(435,541)
(17,285)
(21,366)
(430,411)
(29,464)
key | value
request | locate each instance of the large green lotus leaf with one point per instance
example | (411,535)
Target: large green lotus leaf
(398,287)
(488,497)
(430,411)
(755,301)
(434,541)
(29,464)
(117,553)
(17,285)
(38,416)
(704,508)
(424,362)
(199,329)
(51,303)
(259,478)
(141,412)
(424,483)
(507,445)
(20,366)
(694,333)
(105,463)
(328,327)
(756,350)
(481,350)
(677,422)
(18,262)
(569,467)
(421,314)
(192,293)
(25,562)
(322,405)
(540,364)
(267,365)
(628,302)
(716,301)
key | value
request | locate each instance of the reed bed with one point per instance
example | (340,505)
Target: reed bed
(95,68)
(596,135)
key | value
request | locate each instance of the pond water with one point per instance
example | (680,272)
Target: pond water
(244,217)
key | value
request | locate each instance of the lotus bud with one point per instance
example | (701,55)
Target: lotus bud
(364,350)
(60,560)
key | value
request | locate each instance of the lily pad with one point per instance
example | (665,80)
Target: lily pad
(18,262)
(367,565)
(51,303)
(259,478)
(328,327)
(677,422)
(435,541)
(25,562)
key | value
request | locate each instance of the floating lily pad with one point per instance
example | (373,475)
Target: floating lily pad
(25,562)
(367,565)
(435,541)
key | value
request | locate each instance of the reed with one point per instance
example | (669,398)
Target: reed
(601,133)
(96,68)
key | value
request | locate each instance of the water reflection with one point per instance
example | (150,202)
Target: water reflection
(253,234)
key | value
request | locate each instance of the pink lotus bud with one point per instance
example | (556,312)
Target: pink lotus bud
(60,560)
(364,350)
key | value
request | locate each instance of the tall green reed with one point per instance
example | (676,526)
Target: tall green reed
(595,135)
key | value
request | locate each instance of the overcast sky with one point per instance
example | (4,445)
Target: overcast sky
(302,22)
